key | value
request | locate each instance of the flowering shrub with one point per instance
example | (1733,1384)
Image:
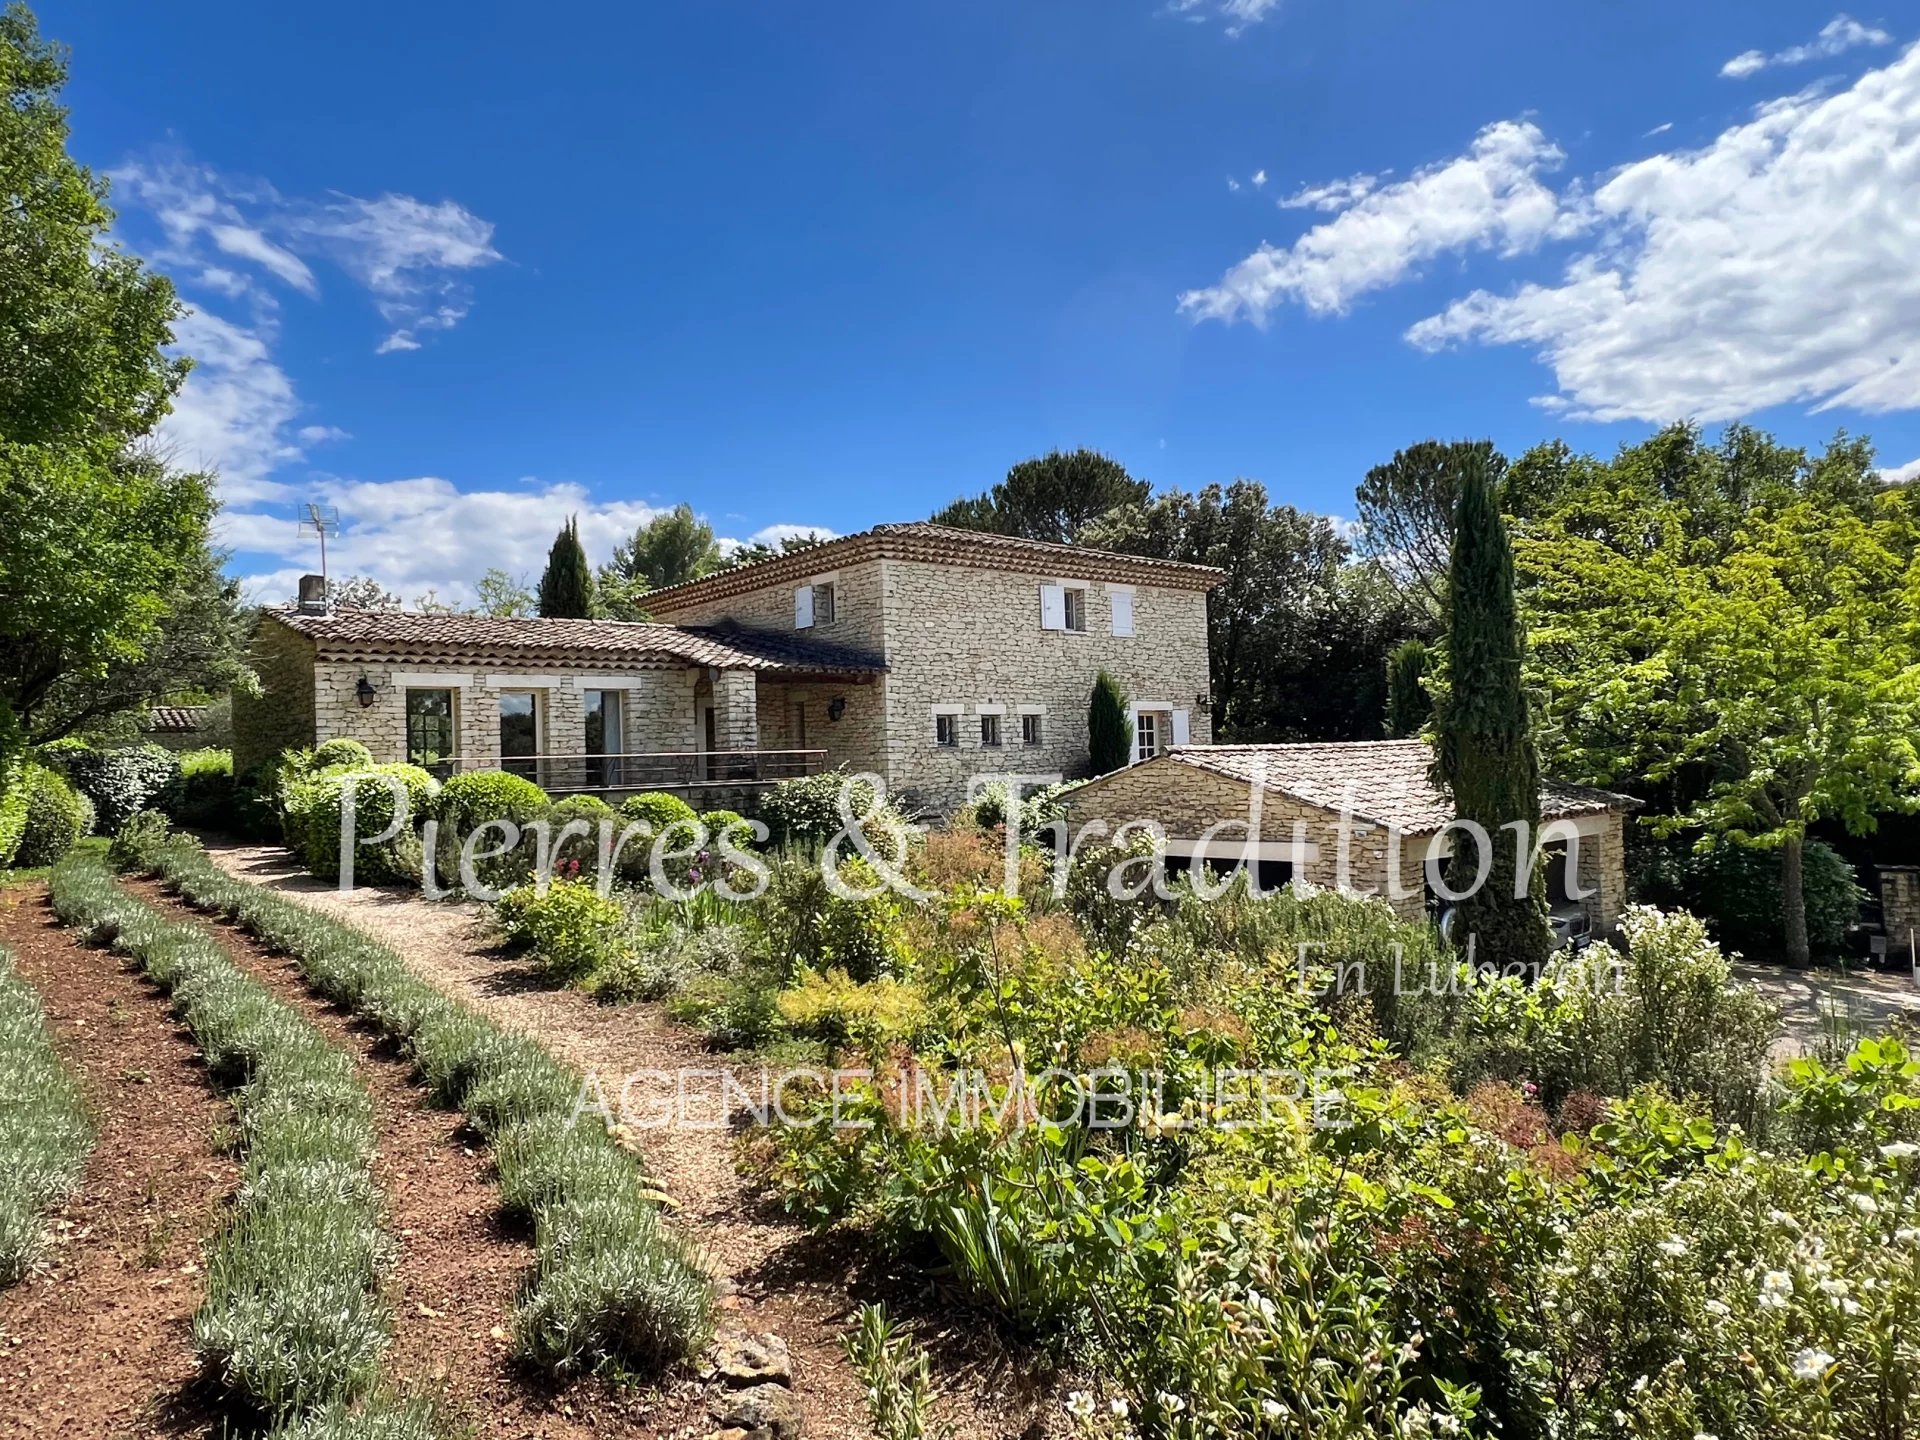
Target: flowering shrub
(573,929)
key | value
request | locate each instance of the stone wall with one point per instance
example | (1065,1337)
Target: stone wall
(1186,801)
(1900,906)
(281,717)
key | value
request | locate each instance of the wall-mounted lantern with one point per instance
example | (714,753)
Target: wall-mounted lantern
(1203,703)
(836,707)
(365,693)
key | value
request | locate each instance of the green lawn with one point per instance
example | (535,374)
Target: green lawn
(94,843)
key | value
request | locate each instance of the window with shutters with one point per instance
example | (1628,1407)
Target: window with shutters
(823,602)
(1074,609)
(1121,605)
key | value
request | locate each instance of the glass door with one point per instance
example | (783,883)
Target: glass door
(520,733)
(604,740)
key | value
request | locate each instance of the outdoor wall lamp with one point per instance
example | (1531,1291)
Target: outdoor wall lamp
(836,707)
(364,692)
(1203,704)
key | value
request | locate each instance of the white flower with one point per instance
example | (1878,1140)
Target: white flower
(1673,1245)
(1811,1363)
(1080,1405)
(1900,1150)
(1833,1287)
(1775,1290)
(1783,1218)
(1907,1235)
(1272,1409)
(1639,1384)
(1119,1409)
(1620,1418)
(1704,1435)
(1717,1308)
(1170,1402)
(1863,1202)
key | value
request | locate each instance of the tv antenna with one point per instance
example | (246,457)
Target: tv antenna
(321,520)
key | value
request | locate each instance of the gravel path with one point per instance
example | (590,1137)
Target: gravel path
(774,1275)
(1866,1001)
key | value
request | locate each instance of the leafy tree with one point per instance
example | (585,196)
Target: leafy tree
(1406,511)
(1408,703)
(94,537)
(362,592)
(757,550)
(1109,730)
(505,598)
(1483,752)
(200,645)
(669,549)
(1053,497)
(566,587)
(1732,628)
(1297,635)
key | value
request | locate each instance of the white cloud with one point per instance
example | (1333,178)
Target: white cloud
(1232,184)
(1490,198)
(1239,15)
(1333,195)
(321,434)
(1836,37)
(1778,264)
(1660,129)
(231,415)
(1259,178)
(410,255)
(1901,474)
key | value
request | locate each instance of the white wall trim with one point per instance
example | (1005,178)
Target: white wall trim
(431,679)
(1227,847)
(1032,709)
(945,709)
(614,682)
(990,708)
(532,682)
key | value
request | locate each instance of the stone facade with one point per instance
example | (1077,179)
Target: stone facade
(1900,906)
(281,717)
(1187,802)
(968,642)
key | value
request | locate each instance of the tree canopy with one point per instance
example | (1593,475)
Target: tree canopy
(566,586)
(1406,511)
(1052,497)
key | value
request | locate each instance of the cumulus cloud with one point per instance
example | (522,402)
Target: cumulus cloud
(1836,37)
(1901,474)
(1491,198)
(231,417)
(1333,195)
(1778,264)
(1237,15)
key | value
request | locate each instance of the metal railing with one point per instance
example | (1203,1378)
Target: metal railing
(654,770)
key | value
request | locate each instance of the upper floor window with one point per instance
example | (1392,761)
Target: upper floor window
(1120,603)
(814,604)
(823,597)
(1146,735)
(946,730)
(1030,729)
(990,731)
(1063,607)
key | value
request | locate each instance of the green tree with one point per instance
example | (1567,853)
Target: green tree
(1109,730)
(1406,512)
(1408,704)
(1484,752)
(1732,630)
(1297,635)
(94,537)
(566,586)
(500,595)
(1052,497)
(362,592)
(670,549)
(754,551)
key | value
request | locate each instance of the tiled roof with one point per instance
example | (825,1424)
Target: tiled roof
(939,545)
(457,639)
(1385,781)
(175,719)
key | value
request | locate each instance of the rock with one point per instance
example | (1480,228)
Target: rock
(742,1359)
(765,1412)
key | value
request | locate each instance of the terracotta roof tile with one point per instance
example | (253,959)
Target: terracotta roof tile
(368,634)
(1385,781)
(940,545)
(175,719)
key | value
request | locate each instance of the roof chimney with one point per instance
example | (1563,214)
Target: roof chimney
(313,595)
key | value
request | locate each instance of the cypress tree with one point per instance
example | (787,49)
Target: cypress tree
(1408,704)
(1483,749)
(566,586)
(1109,731)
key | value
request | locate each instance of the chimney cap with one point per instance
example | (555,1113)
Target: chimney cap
(313,594)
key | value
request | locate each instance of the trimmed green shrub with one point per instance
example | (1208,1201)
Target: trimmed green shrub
(723,822)
(119,781)
(658,809)
(342,752)
(45,1135)
(578,849)
(13,792)
(391,861)
(573,929)
(136,846)
(1736,891)
(805,810)
(475,798)
(57,816)
(206,792)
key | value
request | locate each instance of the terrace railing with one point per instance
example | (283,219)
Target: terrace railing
(670,770)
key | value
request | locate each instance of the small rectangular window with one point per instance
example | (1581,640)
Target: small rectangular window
(823,598)
(430,730)
(1029,729)
(990,731)
(1076,609)
(1146,735)
(946,730)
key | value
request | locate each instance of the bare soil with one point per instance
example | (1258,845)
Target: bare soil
(773,1273)
(97,1344)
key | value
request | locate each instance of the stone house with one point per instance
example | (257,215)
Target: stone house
(1352,815)
(925,654)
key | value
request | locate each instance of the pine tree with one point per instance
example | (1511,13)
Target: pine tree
(1408,704)
(1109,731)
(566,586)
(1484,750)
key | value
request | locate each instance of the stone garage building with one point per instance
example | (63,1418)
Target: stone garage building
(1391,808)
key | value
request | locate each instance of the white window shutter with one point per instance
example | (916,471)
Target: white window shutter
(1053,607)
(803,608)
(1122,601)
(1180,727)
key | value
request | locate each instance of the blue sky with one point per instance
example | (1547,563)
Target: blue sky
(462,270)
